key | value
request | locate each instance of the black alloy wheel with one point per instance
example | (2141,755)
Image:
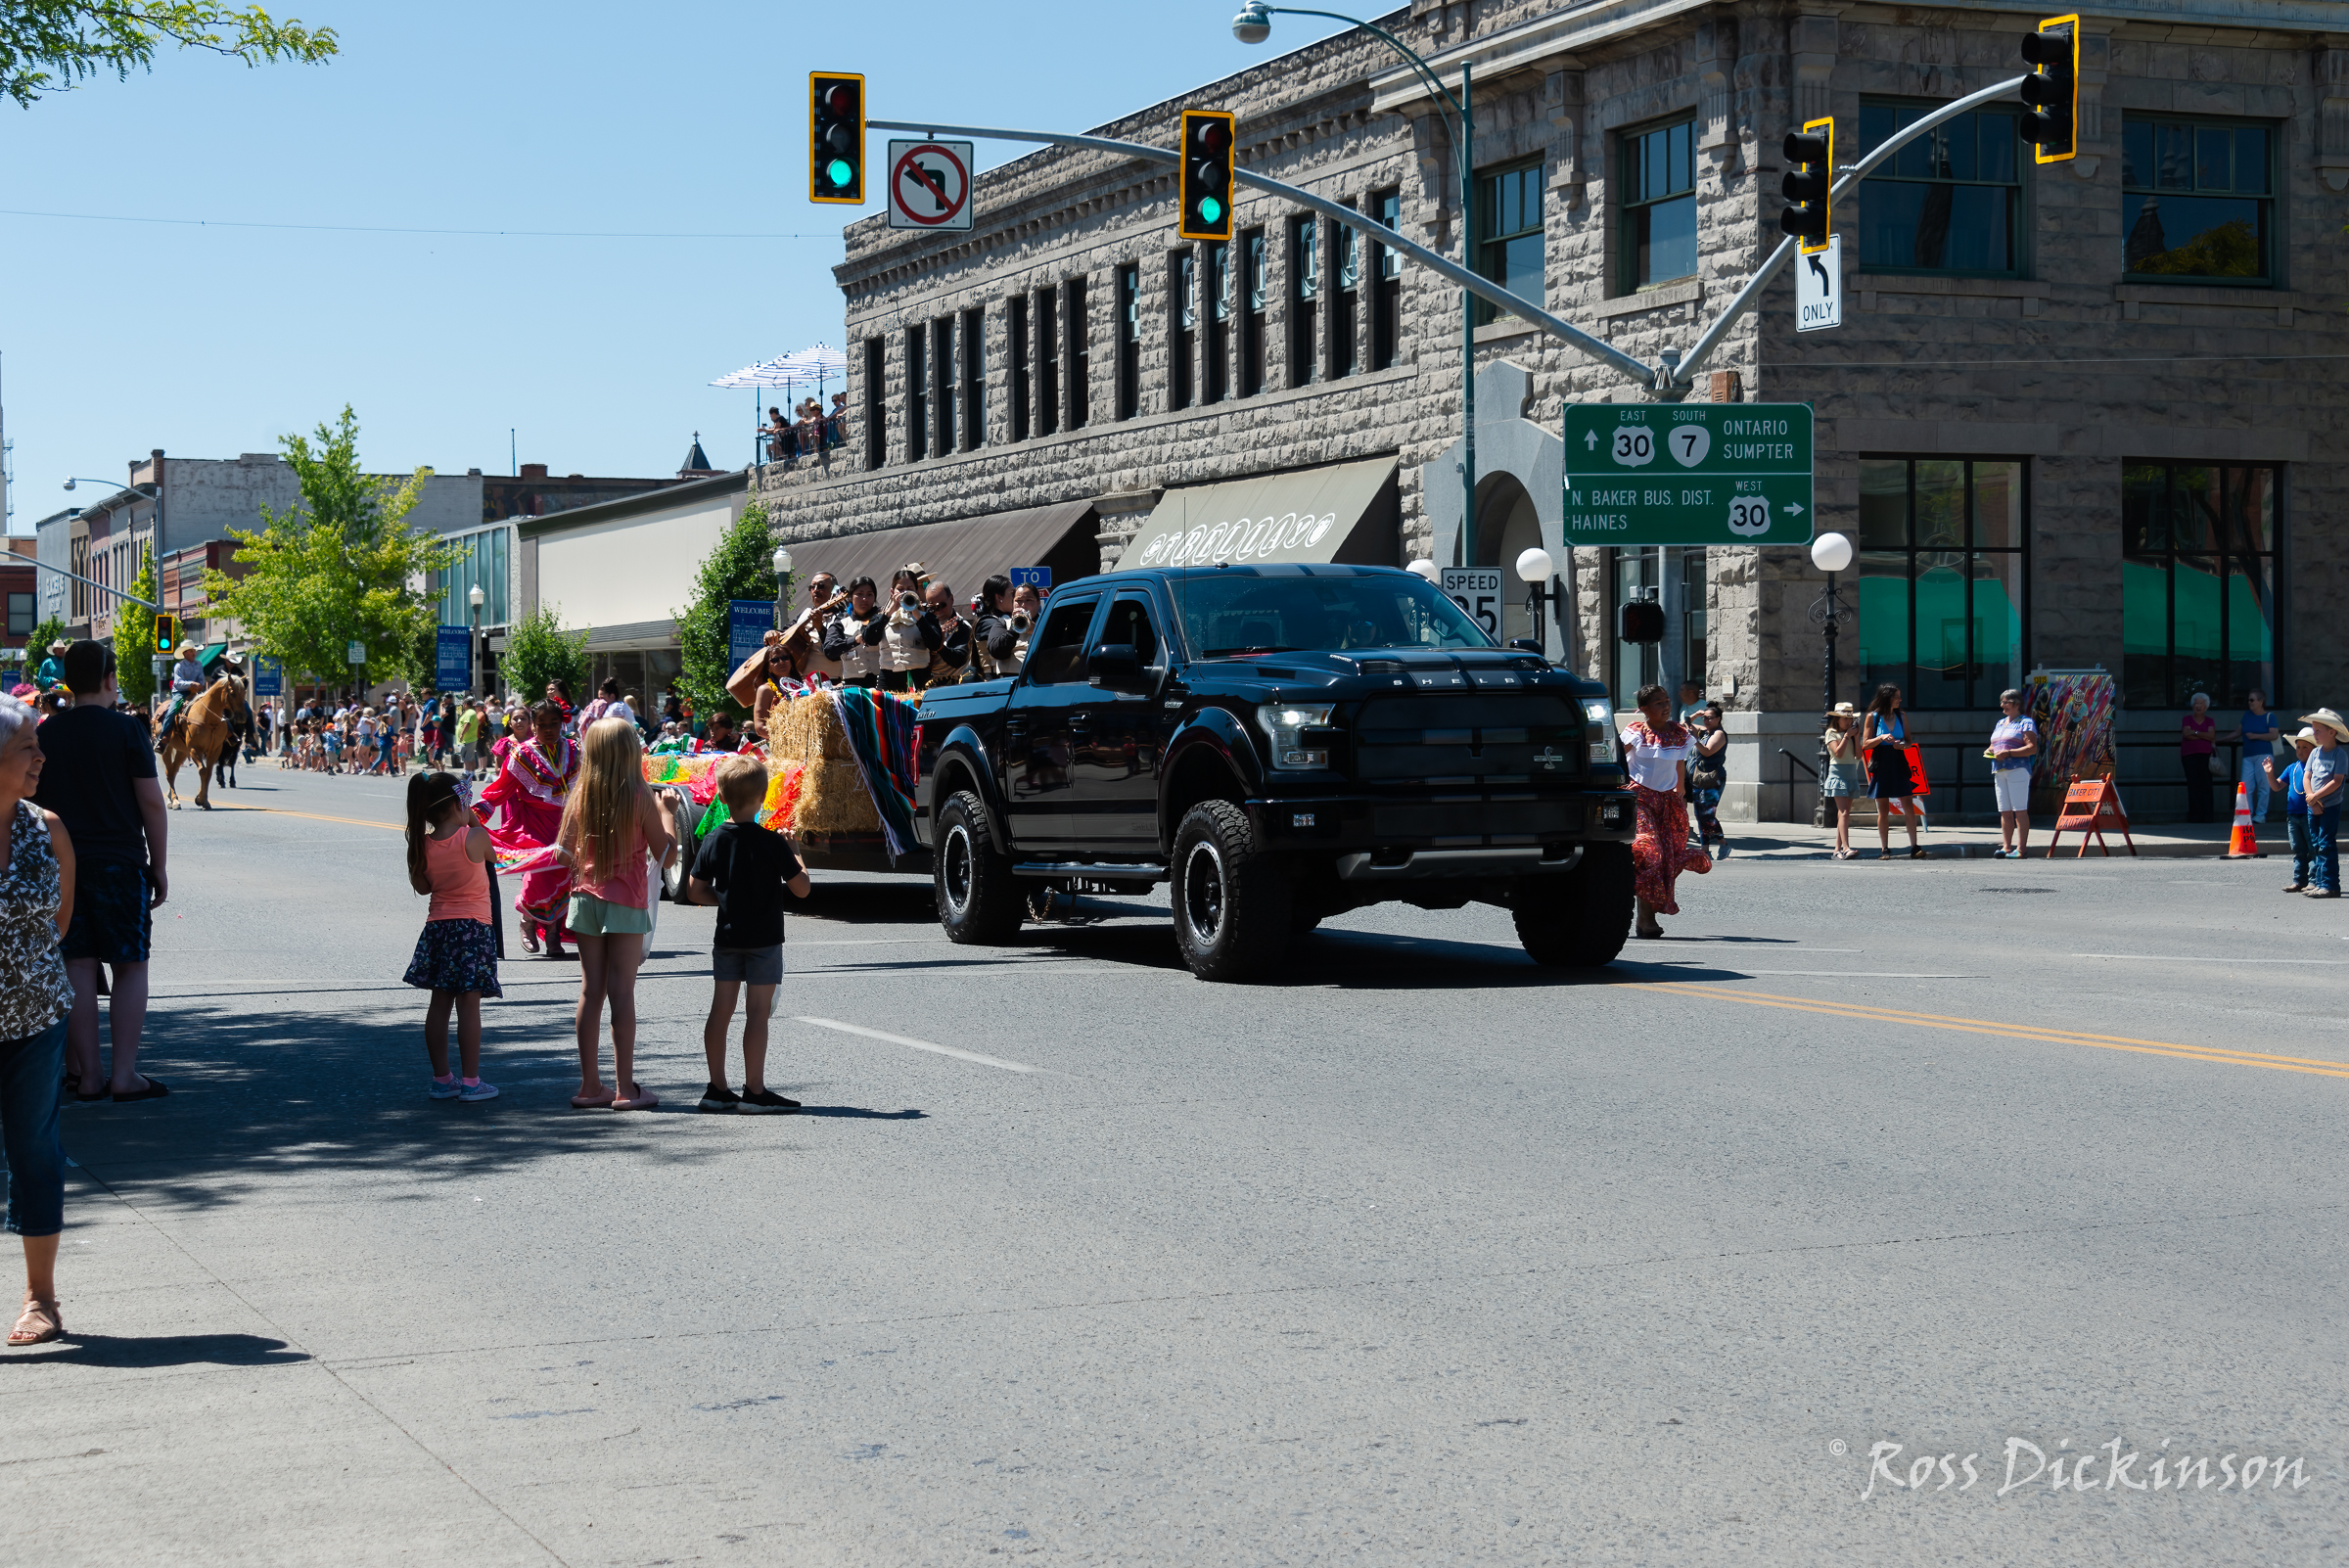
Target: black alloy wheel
(1582,918)
(1232,900)
(978,900)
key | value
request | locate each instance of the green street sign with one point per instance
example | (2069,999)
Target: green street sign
(1687,473)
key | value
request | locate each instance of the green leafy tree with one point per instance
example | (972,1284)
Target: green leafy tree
(36,647)
(49,46)
(134,636)
(539,650)
(336,567)
(742,567)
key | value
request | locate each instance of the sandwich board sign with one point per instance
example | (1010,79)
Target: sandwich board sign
(1818,288)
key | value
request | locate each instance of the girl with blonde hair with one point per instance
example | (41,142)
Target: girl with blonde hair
(611,824)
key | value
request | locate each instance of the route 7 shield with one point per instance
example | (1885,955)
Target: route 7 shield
(1818,288)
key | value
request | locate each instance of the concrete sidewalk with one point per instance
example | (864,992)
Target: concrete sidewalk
(1792,841)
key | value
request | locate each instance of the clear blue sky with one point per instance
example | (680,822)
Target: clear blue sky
(601,117)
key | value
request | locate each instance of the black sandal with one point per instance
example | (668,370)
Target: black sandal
(155,1090)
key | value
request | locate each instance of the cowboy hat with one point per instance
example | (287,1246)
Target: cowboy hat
(2330,719)
(2307,737)
(1846,710)
(59,646)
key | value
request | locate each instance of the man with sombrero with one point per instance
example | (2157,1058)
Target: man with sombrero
(2323,778)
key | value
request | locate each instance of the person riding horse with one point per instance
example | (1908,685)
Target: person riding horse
(188,680)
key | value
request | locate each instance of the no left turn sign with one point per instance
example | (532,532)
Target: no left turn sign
(930,185)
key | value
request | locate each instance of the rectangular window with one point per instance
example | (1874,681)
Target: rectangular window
(1638,574)
(1942,580)
(2198,583)
(1047,360)
(1183,315)
(1252,320)
(1015,333)
(1080,339)
(1219,322)
(1947,200)
(917,394)
(1386,285)
(974,380)
(1305,297)
(2197,200)
(1659,222)
(1509,233)
(1130,342)
(876,369)
(483,560)
(1343,311)
(20,615)
(942,358)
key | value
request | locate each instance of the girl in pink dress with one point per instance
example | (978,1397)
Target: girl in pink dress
(531,787)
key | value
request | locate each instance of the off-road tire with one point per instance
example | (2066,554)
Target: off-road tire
(978,897)
(1232,900)
(1580,920)
(674,875)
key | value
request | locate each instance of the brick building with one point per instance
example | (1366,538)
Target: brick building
(2075,417)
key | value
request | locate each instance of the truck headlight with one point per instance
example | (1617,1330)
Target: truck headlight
(1598,723)
(1285,723)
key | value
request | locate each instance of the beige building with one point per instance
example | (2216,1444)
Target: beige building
(2077,415)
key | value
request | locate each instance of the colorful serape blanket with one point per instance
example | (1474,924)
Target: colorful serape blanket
(775,812)
(697,773)
(882,729)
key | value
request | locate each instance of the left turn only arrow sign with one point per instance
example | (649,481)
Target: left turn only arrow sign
(930,185)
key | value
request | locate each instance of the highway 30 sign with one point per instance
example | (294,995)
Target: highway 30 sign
(1687,473)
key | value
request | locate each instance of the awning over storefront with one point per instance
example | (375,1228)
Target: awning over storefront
(962,555)
(1348,512)
(211,656)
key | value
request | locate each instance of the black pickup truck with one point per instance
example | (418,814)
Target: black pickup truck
(1282,743)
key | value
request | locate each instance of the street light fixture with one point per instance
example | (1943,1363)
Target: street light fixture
(1830,553)
(1423,567)
(782,564)
(1534,568)
(1253,25)
(473,596)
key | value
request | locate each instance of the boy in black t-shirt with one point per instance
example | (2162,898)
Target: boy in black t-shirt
(743,868)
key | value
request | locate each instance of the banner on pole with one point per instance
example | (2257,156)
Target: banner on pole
(452,658)
(747,621)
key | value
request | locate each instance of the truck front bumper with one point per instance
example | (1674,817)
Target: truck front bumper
(1438,835)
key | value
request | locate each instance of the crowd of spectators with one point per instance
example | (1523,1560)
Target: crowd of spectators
(808,433)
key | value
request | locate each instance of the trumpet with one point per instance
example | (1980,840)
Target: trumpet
(910,603)
(1020,621)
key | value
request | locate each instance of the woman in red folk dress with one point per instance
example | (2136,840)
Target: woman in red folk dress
(532,787)
(1656,751)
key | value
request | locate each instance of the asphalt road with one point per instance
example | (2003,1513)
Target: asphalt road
(1420,1254)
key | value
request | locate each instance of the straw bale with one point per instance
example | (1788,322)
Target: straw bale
(832,797)
(808,731)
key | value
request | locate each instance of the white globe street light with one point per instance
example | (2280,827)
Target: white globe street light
(1425,569)
(1831,552)
(1535,566)
(782,563)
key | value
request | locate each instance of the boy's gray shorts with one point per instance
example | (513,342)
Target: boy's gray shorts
(754,966)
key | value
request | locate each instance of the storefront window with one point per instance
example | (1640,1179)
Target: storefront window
(1941,579)
(483,562)
(2198,583)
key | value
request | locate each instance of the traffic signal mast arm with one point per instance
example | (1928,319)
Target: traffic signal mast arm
(1686,371)
(26,560)
(1484,289)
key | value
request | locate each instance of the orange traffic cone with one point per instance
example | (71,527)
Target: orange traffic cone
(2244,844)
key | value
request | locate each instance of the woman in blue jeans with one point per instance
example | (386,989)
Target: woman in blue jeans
(36,903)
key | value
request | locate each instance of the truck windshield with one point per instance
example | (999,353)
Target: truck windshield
(1226,616)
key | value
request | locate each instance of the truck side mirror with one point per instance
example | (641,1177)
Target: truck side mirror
(1115,667)
(1532,645)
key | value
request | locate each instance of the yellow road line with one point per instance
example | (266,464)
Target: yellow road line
(2222,1055)
(279,810)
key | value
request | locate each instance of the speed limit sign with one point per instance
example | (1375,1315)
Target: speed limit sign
(1477,590)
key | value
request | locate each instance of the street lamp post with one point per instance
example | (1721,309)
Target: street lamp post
(1534,568)
(1830,553)
(782,566)
(473,596)
(1253,25)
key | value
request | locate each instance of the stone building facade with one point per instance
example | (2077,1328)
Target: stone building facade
(2077,415)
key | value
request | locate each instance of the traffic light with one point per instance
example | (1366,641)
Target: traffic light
(1812,152)
(1204,187)
(836,137)
(167,634)
(2053,89)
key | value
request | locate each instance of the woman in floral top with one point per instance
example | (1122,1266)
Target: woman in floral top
(36,904)
(1656,751)
(531,787)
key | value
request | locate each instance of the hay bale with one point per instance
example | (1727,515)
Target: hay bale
(832,797)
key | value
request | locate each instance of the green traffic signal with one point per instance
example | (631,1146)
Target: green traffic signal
(835,137)
(1210,211)
(1204,209)
(840,172)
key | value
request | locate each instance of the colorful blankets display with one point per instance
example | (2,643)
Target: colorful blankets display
(882,730)
(775,812)
(697,774)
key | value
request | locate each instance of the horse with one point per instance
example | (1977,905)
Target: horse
(204,729)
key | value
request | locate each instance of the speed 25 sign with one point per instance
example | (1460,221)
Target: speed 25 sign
(1477,590)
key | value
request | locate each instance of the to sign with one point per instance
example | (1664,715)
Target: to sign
(1818,288)
(1687,473)
(1477,590)
(930,185)
(1038,578)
